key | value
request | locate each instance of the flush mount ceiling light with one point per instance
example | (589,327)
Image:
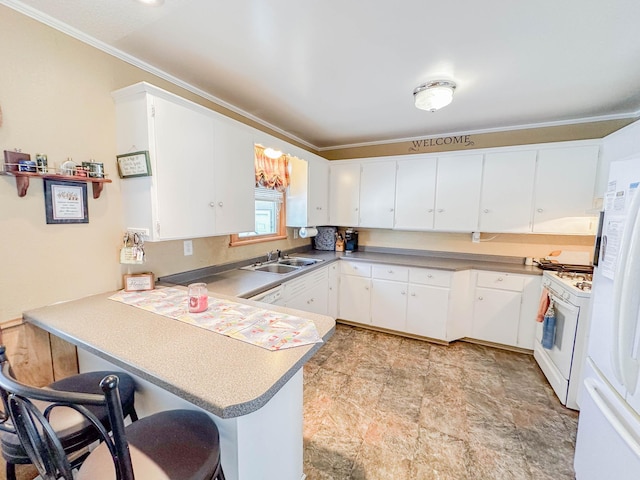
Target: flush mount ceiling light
(434,95)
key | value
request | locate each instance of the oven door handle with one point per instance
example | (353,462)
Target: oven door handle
(562,303)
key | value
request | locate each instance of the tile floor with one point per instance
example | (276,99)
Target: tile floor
(378,406)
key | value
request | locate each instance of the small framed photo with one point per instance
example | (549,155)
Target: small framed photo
(65,202)
(134,164)
(138,282)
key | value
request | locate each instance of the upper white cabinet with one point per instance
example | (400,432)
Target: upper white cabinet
(507,191)
(201,176)
(377,192)
(177,200)
(234,178)
(458,193)
(308,194)
(415,194)
(564,190)
(438,194)
(344,188)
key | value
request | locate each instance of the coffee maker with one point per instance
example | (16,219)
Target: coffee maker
(351,240)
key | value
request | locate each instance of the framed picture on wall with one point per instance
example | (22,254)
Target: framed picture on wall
(134,164)
(65,202)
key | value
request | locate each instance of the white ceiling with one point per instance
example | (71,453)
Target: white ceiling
(342,72)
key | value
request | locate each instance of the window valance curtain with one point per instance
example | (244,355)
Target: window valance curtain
(271,173)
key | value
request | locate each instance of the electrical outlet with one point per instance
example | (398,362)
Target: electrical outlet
(295,233)
(188,247)
(475,237)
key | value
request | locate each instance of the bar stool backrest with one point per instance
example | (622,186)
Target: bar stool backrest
(38,437)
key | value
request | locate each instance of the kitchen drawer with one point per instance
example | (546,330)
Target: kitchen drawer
(500,281)
(390,272)
(358,269)
(425,276)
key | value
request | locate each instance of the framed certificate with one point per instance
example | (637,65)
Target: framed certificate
(65,202)
(138,282)
(134,164)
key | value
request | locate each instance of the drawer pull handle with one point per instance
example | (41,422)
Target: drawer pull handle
(429,276)
(500,279)
(413,294)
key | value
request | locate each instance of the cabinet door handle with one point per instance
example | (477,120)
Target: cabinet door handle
(356,209)
(366,288)
(403,293)
(486,210)
(430,210)
(220,204)
(540,210)
(479,298)
(440,210)
(211,204)
(390,271)
(500,279)
(429,276)
(391,209)
(413,294)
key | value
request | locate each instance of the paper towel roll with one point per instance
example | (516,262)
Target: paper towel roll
(308,232)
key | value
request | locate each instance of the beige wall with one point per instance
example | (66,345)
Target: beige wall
(516,245)
(55,99)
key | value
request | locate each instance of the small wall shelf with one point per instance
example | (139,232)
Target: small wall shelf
(22,180)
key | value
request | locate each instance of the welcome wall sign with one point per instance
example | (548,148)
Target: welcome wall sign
(454,142)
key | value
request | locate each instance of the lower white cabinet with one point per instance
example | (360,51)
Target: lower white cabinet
(389,297)
(428,303)
(443,305)
(504,308)
(334,289)
(355,292)
(309,292)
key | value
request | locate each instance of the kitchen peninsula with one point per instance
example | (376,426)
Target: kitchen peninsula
(253,394)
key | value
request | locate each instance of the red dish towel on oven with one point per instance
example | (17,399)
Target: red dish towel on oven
(544,305)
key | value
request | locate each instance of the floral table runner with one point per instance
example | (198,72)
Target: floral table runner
(258,326)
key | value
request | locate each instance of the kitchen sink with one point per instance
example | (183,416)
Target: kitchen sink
(299,261)
(283,265)
(276,268)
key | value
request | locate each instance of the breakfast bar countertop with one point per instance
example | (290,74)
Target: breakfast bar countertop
(224,376)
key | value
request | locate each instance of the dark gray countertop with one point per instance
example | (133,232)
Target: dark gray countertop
(245,283)
(224,376)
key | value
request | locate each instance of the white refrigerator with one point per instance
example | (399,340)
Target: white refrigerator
(608,439)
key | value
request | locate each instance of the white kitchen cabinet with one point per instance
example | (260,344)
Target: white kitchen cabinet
(564,190)
(200,172)
(377,194)
(309,292)
(177,200)
(308,193)
(438,193)
(389,287)
(415,194)
(428,303)
(355,292)
(507,191)
(504,308)
(344,194)
(458,193)
(334,289)
(234,178)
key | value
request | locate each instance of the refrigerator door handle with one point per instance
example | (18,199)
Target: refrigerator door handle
(627,301)
(624,430)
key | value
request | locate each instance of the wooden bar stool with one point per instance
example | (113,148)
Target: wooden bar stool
(76,433)
(169,445)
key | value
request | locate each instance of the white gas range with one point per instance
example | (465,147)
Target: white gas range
(570,292)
